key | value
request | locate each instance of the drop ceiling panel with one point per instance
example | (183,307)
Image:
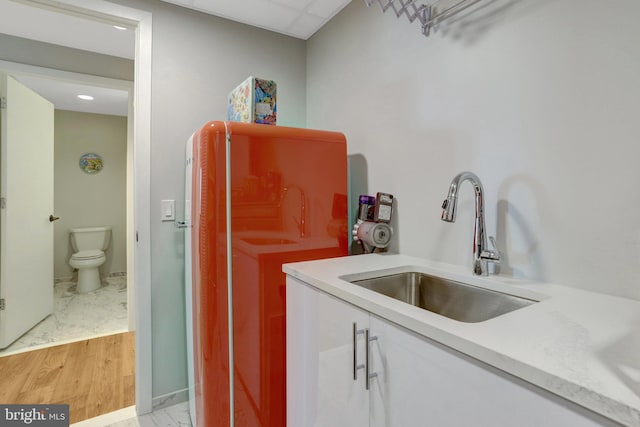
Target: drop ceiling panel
(271,14)
(300,5)
(307,24)
(297,18)
(326,8)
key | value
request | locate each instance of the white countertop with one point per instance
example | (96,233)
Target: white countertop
(580,345)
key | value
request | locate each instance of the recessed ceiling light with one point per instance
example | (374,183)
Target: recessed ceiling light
(119,27)
(86,97)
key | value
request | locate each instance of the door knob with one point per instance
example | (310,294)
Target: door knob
(53,218)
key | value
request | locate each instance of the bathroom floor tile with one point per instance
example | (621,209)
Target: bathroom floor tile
(172,416)
(78,316)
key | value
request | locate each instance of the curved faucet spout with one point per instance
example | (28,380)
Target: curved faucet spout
(481,256)
(450,204)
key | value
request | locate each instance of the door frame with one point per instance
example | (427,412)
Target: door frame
(139,236)
(17,69)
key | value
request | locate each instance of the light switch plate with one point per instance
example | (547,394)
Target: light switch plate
(168,210)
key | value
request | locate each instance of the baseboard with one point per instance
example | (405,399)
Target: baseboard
(57,280)
(170,399)
(117,274)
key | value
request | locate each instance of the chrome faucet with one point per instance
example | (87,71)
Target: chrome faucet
(481,255)
(300,224)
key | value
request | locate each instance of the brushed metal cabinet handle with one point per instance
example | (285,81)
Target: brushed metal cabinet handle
(368,375)
(356,332)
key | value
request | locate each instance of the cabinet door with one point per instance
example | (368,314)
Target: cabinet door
(321,390)
(421,383)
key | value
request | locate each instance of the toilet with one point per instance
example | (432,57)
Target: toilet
(89,245)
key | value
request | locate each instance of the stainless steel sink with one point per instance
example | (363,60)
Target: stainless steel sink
(449,298)
(267,241)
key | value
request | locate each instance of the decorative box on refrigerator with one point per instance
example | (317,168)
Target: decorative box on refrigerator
(257,197)
(253,101)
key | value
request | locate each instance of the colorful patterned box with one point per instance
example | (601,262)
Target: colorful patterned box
(253,101)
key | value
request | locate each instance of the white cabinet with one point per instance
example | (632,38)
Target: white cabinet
(422,383)
(321,390)
(415,381)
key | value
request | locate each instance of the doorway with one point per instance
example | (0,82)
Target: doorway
(138,234)
(82,198)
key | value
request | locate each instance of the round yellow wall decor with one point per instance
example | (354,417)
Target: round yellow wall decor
(91,163)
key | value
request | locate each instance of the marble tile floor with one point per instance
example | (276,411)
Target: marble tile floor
(78,316)
(172,416)
(176,415)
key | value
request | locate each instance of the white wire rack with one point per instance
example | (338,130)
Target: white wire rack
(429,15)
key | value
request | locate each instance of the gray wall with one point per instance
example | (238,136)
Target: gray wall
(197,60)
(87,200)
(24,51)
(538,98)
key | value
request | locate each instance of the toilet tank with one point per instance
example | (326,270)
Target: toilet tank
(90,238)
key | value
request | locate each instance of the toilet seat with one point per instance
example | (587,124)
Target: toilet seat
(87,255)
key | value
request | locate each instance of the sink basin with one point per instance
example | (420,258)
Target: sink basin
(449,298)
(267,241)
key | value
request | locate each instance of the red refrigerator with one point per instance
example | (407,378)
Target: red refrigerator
(257,196)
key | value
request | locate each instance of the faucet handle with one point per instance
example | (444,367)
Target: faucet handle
(492,255)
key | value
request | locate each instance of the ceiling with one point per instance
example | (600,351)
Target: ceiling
(20,20)
(44,25)
(64,95)
(296,18)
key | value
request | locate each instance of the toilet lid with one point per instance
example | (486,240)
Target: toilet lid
(92,254)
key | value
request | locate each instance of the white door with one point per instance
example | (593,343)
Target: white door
(322,352)
(26,188)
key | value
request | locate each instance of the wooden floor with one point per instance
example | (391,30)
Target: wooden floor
(94,376)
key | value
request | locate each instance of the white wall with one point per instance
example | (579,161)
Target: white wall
(84,200)
(197,60)
(540,100)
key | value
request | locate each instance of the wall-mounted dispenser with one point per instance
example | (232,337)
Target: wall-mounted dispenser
(372,228)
